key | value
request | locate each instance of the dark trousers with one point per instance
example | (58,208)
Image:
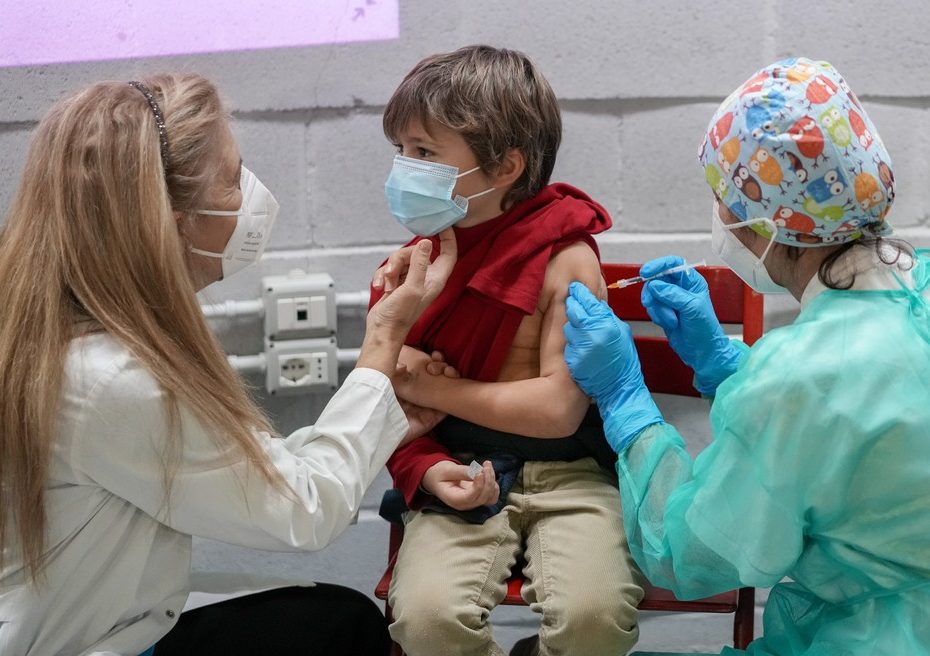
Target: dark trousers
(325,620)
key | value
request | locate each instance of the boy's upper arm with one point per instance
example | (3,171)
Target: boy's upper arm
(574,262)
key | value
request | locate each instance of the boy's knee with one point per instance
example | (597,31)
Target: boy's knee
(609,624)
(433,610)
(600,615)
(423,622)
(611,603)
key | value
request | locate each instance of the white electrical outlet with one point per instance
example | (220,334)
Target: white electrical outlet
(301,369)
(299,305)
(301,365)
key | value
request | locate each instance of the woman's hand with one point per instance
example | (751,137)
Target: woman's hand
(599,348)
(422,420)
(414,369)
(411,379)
(602,358)
(680,304)
(449,482)
(391,318)
(393,273)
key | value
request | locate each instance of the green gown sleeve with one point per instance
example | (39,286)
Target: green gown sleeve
(704,526)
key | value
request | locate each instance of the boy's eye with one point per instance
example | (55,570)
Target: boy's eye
(413,151)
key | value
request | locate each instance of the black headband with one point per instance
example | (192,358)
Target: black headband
(159,120)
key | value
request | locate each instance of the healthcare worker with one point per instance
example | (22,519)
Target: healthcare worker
(123,429)
(819,467)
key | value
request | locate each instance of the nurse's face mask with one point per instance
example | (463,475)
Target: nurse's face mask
(419,195)
(255,220)
(741,260)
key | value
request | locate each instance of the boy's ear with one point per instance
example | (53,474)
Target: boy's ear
(511,168)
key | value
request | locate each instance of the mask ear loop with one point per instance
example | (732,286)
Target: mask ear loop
(480,193)
(750,222)
(199,251)
(467,172)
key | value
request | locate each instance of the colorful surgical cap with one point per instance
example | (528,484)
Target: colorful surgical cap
(795,145)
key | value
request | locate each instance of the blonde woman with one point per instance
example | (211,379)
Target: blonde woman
(123,430)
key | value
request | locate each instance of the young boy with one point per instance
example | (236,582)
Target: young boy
(477,132)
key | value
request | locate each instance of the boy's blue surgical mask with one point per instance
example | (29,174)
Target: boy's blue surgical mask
(419,195)
(742,261)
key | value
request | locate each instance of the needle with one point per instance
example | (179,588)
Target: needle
(626,282)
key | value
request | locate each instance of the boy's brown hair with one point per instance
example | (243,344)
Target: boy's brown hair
(495,98)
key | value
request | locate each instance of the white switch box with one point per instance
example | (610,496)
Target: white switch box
(301,365)
(299,305)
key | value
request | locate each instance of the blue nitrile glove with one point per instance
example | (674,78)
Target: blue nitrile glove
(602,359)
(680,304)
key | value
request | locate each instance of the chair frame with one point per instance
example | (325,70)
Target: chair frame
(734,303)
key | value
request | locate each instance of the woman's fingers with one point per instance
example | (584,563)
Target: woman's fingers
(448,252)
(442,266)
(418,265)
(394,273)
(391,274)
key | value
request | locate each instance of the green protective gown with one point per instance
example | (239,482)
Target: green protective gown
(819,471)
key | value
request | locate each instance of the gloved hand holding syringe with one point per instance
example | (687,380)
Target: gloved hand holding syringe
(626,282)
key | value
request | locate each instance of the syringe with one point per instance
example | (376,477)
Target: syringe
(626,282)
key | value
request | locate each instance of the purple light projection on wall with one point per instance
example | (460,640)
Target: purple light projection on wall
(55,31)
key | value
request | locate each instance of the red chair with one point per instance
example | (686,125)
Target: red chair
(664,373)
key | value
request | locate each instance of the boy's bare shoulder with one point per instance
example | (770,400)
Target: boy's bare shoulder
(577,261)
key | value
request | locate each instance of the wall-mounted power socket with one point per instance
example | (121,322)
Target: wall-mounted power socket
(300,365)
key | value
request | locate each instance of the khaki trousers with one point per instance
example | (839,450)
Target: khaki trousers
(564,520)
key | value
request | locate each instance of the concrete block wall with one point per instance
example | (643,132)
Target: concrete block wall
(638,82)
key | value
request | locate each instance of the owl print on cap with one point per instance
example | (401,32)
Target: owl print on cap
(794,144)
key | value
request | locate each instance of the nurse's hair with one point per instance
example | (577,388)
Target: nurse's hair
(833,271)
(92,239)
(496,99)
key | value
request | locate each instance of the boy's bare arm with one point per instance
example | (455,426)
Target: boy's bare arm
(547,406)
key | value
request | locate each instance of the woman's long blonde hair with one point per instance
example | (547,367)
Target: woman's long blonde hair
(92,234)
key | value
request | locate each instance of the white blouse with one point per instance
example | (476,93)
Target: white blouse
(118,565)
